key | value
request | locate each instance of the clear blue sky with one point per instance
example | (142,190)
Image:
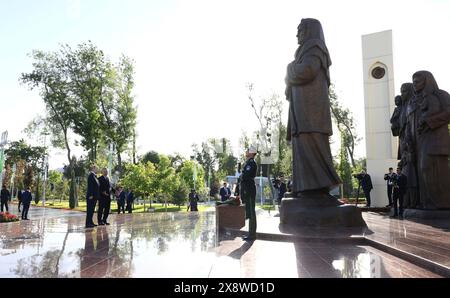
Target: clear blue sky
(194,57)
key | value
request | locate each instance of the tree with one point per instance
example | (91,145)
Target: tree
(151,156)
(180,193)
(117,106)
(140,178)
(206,158)
(32,155)
(164,182)
(345,171)
(86,94)
(345,123)
(29,177)
(90,74)
(268,112)
(50,77)
(187,174)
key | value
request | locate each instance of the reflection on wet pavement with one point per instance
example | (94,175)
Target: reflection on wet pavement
(55,244)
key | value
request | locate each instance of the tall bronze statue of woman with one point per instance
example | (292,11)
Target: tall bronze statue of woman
(309,124)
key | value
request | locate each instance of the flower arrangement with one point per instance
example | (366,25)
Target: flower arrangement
(8,217)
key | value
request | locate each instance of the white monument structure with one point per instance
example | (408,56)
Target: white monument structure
(381,146)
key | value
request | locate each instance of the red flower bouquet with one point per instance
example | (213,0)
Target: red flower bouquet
(8,217)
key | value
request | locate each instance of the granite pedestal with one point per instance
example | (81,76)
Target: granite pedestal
(229,216)
(426,214)
(318,210)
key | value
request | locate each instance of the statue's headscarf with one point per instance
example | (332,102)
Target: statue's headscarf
(410,90)
(314,38)
(431,86)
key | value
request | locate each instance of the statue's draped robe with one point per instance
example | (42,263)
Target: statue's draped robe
(309,124)
(432,145)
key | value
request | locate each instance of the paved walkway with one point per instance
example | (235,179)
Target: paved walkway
(54,243)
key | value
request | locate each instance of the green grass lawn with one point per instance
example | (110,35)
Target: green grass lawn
(137,208)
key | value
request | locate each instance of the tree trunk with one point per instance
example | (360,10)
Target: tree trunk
(36,194)
(73,199)
(119,163)
(134,147)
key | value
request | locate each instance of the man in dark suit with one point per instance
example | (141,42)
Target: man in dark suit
(5,197)
(26,201)
(366,184)
(400,182)
(389,177)
(225,192)
(19,197)
(282,189)
(130,200)
(104,203)
(92,195)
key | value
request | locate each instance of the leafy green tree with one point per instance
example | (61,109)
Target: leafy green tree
(140,178)
(151,156)
(90,74)
(164,181)
(117,106)
(345,123)
(50,77)
(187,174)
(180,193)
(29,177)
(206,158)
(33,156)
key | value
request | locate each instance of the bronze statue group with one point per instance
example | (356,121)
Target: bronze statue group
(421,121)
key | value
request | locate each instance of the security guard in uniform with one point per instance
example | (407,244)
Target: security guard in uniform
(248,191)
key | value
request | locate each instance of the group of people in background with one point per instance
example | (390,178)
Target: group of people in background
(100,189)
(24,198)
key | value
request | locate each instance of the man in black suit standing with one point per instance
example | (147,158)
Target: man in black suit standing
(104,203)
(225,192)
(400,182)
(366,183)
(389,177)
(92,195)
(26,201)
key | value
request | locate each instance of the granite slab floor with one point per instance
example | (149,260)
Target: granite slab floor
(54,243)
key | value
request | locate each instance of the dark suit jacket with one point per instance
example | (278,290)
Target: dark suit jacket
(366,183)
(105,187)
(26,197)
(130,197)
(93,187)
(282,190)
(401,182)
(225,193)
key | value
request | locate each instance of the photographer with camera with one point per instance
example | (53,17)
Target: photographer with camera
(399,185)
(389,177)
(366,183)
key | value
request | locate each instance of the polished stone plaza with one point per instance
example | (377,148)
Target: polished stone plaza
(54,243)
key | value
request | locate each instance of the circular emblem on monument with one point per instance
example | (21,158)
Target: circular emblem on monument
(378,72)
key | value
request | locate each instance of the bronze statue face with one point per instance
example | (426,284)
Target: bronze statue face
(405,92)
(301,34)
(398,100)
(418,82)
